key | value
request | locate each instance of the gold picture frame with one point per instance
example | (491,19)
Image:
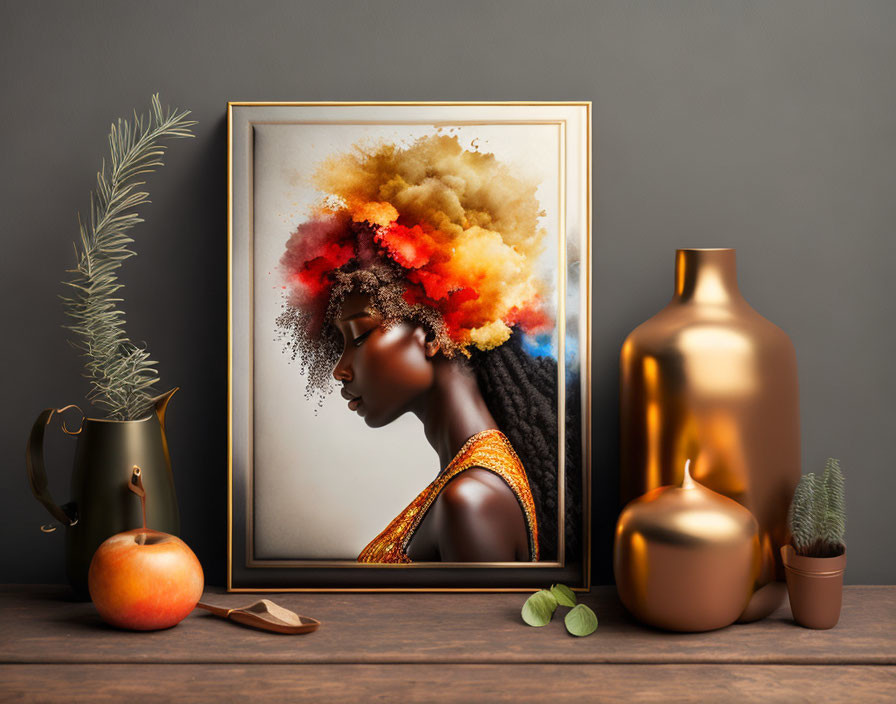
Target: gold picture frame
(259,136)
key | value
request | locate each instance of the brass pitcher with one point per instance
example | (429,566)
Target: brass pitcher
(101,504)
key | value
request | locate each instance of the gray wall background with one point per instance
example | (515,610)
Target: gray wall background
(765,126)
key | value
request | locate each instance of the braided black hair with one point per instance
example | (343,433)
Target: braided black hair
(521,393)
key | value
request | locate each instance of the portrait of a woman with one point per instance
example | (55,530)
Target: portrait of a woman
(414,289)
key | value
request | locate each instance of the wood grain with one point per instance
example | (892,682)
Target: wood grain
(41,626)
(447,683)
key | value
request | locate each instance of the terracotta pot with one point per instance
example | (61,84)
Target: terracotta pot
(815,586)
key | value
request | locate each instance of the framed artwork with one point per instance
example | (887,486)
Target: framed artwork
(409,353)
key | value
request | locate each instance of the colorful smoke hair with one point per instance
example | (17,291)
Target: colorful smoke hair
(436,233)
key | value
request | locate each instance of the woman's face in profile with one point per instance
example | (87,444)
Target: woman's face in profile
(383,371)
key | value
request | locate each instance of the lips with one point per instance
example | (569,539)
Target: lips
(354,400)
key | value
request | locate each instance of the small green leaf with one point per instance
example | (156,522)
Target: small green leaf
(581,621)
(563,594)
(539,608)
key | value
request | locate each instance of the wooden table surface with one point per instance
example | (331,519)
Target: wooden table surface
(439,647)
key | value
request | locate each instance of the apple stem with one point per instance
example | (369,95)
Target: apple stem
(136,485)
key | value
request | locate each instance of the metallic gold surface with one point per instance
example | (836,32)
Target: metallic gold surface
(686,558)
(709,378)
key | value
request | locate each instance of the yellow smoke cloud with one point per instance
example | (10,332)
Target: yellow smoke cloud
(437,181)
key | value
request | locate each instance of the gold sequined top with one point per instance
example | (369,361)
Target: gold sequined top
(490,450)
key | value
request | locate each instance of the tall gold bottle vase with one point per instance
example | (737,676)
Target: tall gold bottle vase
(710,379)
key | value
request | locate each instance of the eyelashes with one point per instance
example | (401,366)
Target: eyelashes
(359,340)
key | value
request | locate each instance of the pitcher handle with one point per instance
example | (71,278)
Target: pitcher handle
(37,475)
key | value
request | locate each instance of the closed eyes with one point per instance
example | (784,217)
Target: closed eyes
(359,340)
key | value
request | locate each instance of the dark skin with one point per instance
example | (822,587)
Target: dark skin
(387,371)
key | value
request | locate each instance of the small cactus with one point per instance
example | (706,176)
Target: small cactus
(817,514)
(834,526)
(803,517)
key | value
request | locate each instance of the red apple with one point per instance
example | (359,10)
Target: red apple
(144,580)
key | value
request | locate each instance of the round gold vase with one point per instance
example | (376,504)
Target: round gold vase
(686,558)
(709,378)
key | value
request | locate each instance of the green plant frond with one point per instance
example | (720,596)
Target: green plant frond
(802,516)
(120,373)
(817,515)
(833,527)
(819,506)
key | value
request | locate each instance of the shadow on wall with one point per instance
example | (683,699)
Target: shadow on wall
(196,318)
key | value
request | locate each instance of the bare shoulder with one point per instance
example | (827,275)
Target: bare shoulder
(476,489)
(480,519)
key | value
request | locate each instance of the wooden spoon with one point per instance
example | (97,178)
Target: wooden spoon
(267,615)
